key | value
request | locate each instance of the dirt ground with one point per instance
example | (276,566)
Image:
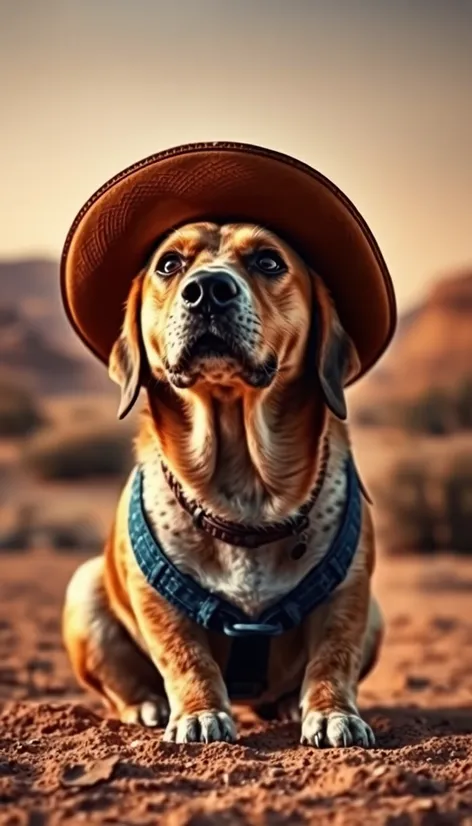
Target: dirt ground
(61,761)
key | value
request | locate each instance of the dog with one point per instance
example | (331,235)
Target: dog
(244,362)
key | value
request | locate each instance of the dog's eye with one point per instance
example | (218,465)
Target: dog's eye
(170,263)
(268,262)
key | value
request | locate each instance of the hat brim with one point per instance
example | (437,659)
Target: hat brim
(116,230)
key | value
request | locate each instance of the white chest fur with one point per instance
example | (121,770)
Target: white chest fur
(249,578)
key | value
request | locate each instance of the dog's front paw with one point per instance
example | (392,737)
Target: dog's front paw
(203,727)
(336,729)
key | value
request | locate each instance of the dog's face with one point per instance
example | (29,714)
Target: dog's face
(229,308)
(225,305)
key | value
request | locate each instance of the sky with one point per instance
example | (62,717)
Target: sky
(376,94)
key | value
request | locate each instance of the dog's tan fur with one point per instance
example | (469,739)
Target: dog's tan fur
(246,453)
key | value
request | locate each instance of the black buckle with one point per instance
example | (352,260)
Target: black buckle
(248,629)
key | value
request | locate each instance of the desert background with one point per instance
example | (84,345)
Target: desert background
(378,96)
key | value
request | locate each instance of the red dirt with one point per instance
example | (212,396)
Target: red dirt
(62,762)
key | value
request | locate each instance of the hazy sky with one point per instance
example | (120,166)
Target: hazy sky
(377,94)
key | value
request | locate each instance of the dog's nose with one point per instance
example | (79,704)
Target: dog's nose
(212,292)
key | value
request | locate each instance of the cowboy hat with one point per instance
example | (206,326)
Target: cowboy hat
(119,226)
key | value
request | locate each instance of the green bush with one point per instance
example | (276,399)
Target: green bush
(19,414)
(79,455)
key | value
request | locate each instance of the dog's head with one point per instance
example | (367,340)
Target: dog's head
(230,309)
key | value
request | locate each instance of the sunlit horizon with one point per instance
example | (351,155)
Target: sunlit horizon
(377,98)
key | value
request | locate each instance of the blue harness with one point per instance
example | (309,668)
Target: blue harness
(251,636)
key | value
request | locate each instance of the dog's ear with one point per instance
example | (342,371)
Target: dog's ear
(337,359)
(125,362)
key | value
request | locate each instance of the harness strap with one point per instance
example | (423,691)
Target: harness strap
(247,667)
(215,613)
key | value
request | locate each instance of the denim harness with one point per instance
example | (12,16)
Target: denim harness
(247,667)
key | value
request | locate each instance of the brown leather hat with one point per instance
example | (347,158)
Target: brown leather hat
(116,230)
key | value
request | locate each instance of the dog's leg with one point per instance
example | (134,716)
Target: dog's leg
(104,657)
(287,708)
(199,704)
(372,639)
(342,643)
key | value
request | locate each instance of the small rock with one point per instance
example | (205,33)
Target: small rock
(426,804)
(112,725)
(417,683)
(89,774)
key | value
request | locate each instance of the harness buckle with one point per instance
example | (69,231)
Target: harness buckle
(248,629)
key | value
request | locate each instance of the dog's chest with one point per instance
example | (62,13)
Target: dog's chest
(251,579)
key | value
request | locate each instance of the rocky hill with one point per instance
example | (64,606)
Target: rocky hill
(432,349)
(37,346)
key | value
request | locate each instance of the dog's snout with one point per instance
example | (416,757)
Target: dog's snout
(223,289)
(210,292)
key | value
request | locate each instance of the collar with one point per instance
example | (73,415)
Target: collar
(215,613)
(248,536)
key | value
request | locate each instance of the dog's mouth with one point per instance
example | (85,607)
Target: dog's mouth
(210,350)
(212,346)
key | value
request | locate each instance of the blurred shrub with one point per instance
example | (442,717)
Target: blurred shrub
(458,503)
(370,416)
(464,404)
(79,455)
(73,535)
(19,413)
(432,413)
(428,505)
(405,502)
(29,530)
(436,412)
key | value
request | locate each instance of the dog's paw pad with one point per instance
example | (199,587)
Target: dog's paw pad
(204,727)
(336,730)
(152,713)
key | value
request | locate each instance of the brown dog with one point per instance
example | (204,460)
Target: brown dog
(244,361)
